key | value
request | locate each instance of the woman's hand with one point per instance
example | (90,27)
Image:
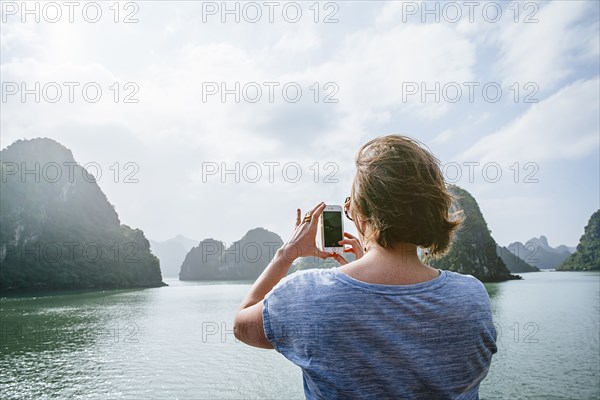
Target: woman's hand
(356,248)
(302,243)
(249,317)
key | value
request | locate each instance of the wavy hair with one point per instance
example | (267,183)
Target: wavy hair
(400,192)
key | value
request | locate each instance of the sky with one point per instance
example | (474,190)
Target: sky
(208,119)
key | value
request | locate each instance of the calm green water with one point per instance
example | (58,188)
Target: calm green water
(176,343)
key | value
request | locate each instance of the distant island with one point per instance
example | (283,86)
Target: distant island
(244,259)
(58,230)
(538,253)
(587,255)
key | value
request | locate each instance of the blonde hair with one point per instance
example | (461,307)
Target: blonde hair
(400,192)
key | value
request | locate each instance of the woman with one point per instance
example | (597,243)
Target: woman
(386,326)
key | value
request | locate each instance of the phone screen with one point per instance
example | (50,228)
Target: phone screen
(332,228)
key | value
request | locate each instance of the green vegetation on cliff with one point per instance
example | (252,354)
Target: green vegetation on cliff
(587,255)
(473,251)
(58,230)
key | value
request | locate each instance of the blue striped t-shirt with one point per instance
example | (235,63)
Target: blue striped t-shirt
(357,340)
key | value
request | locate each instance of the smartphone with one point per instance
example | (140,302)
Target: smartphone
(331,226)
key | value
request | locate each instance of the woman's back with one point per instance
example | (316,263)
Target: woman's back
(354,339)
(355,333)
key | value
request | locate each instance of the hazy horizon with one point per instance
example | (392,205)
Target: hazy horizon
(550,243)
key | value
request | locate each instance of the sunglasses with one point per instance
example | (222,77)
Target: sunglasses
(347,208)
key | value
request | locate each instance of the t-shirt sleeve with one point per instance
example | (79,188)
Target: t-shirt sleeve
(286,320)
(267,322)
(276,310)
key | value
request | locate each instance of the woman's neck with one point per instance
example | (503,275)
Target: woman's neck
(398,265)
(401,253)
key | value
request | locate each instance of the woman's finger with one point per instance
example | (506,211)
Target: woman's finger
(350,236)
(355,248)
(315,208)
(339,258)
(321,254)
(351,242)
(355,245)
(316,214)
(298,214)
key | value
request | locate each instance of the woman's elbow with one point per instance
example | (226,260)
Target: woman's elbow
(237,327)
(250,332)
(241,328)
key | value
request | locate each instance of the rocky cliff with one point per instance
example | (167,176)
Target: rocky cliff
(473,251)
(58,230)
(587,255)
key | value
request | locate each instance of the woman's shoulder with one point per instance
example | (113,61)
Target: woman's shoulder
(303,287)
(312,275)
(464,279)
(466,285)
(306,280)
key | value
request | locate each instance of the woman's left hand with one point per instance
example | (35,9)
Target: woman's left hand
(303,243)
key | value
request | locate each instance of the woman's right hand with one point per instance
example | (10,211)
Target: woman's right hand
(356,248)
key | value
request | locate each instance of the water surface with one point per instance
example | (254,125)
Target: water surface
(177,342)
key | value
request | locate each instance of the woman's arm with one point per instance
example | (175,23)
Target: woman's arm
(248,322)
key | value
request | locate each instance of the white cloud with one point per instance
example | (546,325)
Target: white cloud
(373,65)
(560,127)
(547,51)
(15,36)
